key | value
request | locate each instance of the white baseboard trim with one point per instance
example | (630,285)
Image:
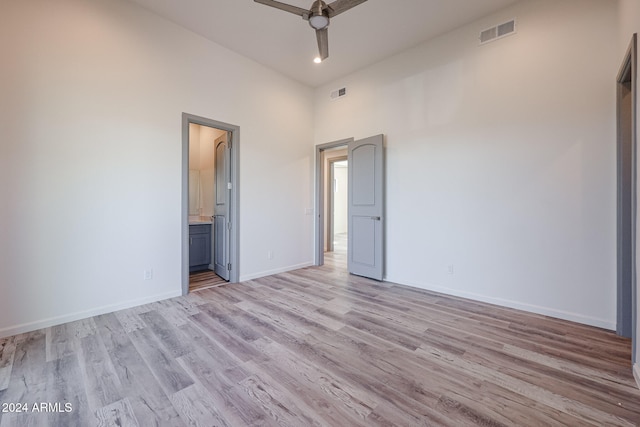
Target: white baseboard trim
(636,373)
(545,311)
(252,276)
(53,321)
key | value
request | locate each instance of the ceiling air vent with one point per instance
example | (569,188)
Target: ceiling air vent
(498,32)
(338,93)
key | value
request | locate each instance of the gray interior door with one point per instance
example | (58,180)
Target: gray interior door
(366,207)
(221,223)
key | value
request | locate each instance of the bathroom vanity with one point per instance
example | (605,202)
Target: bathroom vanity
(199,246)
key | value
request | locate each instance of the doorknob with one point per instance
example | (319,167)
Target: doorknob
(375,218)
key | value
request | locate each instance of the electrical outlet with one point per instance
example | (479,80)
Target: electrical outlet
(450,269)
(269,254)
(148,274)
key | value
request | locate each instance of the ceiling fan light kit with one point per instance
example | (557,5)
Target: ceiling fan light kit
(318,16)
(319,22)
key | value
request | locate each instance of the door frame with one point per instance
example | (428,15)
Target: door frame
(234,198)
(321,180)
(627,195)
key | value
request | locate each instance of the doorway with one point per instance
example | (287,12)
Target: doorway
(326,157)
(206,169)
(210,163)
(365,205)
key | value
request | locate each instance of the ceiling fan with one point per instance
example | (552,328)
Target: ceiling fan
(318,17)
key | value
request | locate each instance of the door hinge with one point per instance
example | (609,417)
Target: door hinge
(229,266)
(228,226)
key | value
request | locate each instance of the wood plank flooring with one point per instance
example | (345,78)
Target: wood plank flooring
(204,279)
(317,347)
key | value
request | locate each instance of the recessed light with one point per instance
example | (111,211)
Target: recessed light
(317,60)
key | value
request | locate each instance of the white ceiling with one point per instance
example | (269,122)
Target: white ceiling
(366,34)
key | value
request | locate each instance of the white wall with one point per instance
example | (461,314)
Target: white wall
(201,159)
(194,146)
(93,93)
(341,175)
(206,144)
(500,159)
(195,190)
(328,156)
(629,23)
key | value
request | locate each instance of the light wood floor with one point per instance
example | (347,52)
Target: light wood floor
(204,279)
(317,347)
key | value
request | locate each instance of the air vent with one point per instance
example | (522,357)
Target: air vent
(498,32)
(338,93)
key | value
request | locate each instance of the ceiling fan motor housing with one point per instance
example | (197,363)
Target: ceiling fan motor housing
(319,18)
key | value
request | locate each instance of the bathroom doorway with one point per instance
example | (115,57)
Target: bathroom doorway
(209,203)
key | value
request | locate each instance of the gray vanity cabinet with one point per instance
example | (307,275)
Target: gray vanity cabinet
(199,247)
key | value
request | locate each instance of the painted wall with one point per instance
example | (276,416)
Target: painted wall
(329,155)
(207,167)
(500,159)
(194,146)
(90,157)
(629,23)
(201,163)
(195,190)
(341,176)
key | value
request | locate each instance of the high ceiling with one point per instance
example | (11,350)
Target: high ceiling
(359,37)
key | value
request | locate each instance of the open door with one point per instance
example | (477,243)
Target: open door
(366,207)
(221,223)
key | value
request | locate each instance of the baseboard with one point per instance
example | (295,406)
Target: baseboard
(53,321)
(636,373)
(545,311)
(252,276)
(574,317)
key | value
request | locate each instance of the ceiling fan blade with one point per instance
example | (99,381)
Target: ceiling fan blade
(339,6)
(286,7)
(323,43)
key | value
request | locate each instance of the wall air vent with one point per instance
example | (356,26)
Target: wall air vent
(499,31)
(338,93)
